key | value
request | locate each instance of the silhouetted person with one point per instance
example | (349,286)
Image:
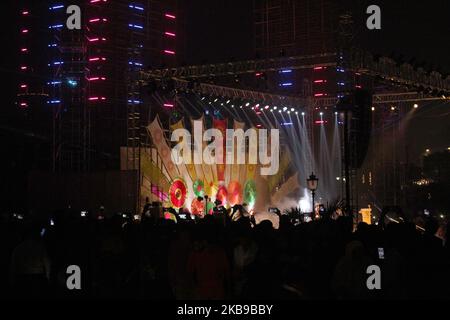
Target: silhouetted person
(30,266)
(244,254)
(220,213)
(209,267)
(179,252)
(147,207)
(430,239)
(349,280)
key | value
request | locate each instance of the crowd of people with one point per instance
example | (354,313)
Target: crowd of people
(214,259)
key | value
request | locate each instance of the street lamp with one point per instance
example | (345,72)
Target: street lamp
(312,182)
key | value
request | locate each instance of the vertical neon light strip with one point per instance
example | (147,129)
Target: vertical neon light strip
(136,12)
(56,59)
(319,82)
(23,86)
(94,40)
(170,18)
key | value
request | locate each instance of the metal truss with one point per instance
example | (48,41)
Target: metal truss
(360,61)
(242,67)
(257,96)
(387,98)
(31,94)
(273,99)
(404,74)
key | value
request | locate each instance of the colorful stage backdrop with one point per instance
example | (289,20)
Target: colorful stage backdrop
(179,186)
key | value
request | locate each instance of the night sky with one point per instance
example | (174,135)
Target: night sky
(415,29)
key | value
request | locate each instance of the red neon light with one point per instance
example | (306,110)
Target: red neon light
(170,34)
(170,16)
(97,59)
(97,98)
(96,39)
(98,20)
(169,52)
(23,86)
(320,94)
(23,68)
(319,68)
(25,31)
(320,122)
(25,13)
(320,81)
(169,105)
(24,104)
(97,78)
(24,50)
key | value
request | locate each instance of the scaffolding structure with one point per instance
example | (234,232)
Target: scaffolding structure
(98,106)
(152,41)
(71,125)
(359,61)
(284,27)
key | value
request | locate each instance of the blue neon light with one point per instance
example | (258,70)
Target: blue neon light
(136,7)
(72,83)
(134,101)
(136,26)
(56,26)
(56,63)
(56,7)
